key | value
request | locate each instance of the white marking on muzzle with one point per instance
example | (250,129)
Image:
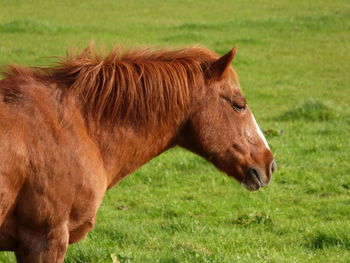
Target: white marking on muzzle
(258,130)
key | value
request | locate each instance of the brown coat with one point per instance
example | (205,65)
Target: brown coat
(69,133)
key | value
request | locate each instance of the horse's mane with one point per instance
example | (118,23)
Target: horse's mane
(136,86)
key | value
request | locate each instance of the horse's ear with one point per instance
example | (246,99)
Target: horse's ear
(218,67)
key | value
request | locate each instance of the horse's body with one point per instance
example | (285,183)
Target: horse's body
(69,133)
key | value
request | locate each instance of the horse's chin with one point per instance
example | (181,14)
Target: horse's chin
(252,186)
(251,182)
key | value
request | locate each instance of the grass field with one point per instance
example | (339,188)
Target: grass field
(294,66)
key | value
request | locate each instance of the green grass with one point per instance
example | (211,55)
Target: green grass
(293,61)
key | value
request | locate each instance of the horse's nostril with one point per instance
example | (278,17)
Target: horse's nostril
(272,167)
(255,173)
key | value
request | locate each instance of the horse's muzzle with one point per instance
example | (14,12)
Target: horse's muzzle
(256,178)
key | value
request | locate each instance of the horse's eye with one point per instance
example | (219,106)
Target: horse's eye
(238,107)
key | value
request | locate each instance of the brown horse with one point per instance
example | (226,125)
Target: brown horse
(71,132)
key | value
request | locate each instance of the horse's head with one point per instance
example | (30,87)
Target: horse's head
(222,129)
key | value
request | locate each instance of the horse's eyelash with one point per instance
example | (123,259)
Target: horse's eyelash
(233,102)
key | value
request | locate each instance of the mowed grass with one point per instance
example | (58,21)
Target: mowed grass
(294,63)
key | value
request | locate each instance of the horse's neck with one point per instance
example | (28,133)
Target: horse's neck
(124,149)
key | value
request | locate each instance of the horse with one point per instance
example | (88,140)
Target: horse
(70,132)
